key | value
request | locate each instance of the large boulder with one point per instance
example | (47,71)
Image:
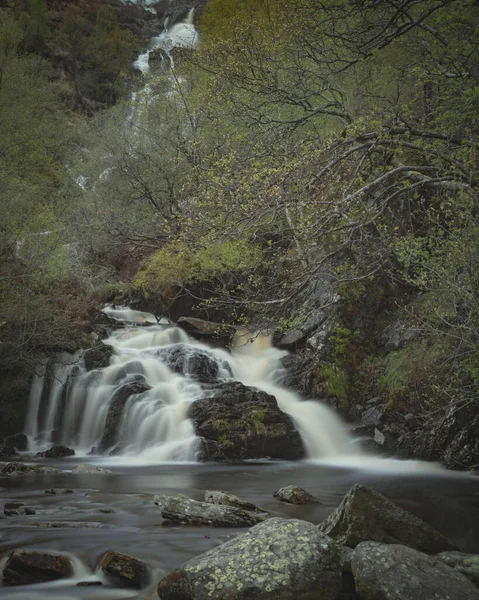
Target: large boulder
(365,514)
(115,412)
(194,362)
(57,452)
(278,559)
(184,510)
(98,357)
(292,494)
(467,564)
(240,422)
(124,570)
(24,567)
(16,469)
(395,572)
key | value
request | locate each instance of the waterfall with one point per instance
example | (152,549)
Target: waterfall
(137,406)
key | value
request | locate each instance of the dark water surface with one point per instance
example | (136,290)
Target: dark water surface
(448,501)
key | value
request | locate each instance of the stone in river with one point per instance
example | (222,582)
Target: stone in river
(124,570)
(226,499)
(25,567)
(293,494)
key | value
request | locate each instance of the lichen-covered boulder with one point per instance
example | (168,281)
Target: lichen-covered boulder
(240,422)
(217,497)
(467,564)
(292,494)
(87,469)
(365,514)
(279,559)
(395,572)
(184,510)
(24,567)
(124,570)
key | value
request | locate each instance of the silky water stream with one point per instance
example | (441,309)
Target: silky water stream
(157,455)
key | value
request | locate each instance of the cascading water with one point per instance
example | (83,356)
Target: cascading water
(137,406)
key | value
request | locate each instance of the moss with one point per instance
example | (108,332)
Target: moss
(336,383)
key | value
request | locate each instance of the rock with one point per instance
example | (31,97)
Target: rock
(365,514)
(86,469)
(13,509)
(214,497)
(184,510)
(10,445)
(396,335)
(88,583)
(218,333)
(57,452)
(194,362)
(293,494)
(240,422)
(98,357)
(394,572)
(67,525)
(278,559)
(15,469)
(115,412)
(379,437)
(124,570)
(50,491)
(25,567)
(467,564)
(345,556)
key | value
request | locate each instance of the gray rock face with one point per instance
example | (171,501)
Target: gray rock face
(24,567)
(98,357)
(279,559)
(16,469)
(394,572)
(365,514)
(124,570)
(184,510)
(467,564)
(219,333)
(240,422)
(293,494)
(225,499)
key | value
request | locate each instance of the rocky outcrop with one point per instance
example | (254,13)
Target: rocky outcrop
(124,570)
(467,564)
(283,559)
(98,357)
(394,572)
(216,334)
(57,452)
(86,469)
(25,567)
(115,412)
(240,422)
(365,514)
(194,362)
(184,510)
(216,497)
(16,469)
(293,494)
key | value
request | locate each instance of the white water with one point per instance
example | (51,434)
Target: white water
(154,427)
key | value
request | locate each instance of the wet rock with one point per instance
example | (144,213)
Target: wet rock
(98,357)
(280,558)
(395,572)
(216,497)
(365,514)
(219,333)
(345,556)
(86,469)
(293,494)
(50,491)
(115,412)
(57,452)
(88,583)
(67,525)
(15,469)
(194,362)
(13,509)
(12,444)
(467,564)
(184,510)
(240,422)
(124,570)
(25,567)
